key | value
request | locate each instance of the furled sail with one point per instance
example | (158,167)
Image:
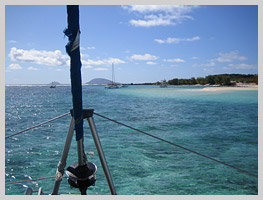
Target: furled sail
(73,50)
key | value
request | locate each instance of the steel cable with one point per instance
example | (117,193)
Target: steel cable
(37,125)
(158,138)
(233,167)
(37,179)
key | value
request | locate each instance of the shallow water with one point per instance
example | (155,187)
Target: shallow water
(223,125)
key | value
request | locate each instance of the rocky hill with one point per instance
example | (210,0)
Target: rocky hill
(99,81)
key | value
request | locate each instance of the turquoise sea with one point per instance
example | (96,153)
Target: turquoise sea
(222,125)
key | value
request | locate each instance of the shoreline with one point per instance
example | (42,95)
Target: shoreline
(227,88)
(206,87)
(211,88)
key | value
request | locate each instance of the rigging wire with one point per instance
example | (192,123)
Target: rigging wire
(27,129)
(158,138)
(171,143)
(37,179)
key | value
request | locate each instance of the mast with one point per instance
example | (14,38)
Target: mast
(73,51)
(82,173)
(113,75)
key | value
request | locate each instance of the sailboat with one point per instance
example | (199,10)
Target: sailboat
(53,86)
(163,84)
(113,85)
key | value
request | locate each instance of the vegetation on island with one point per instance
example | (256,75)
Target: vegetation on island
(220,79)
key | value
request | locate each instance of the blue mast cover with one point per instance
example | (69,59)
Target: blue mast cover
(72,48)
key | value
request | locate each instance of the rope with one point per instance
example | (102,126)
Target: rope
(37,125)
(37,179)
(233,167)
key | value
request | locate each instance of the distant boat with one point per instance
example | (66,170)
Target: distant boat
(163,84)
(113,84)
(53,84)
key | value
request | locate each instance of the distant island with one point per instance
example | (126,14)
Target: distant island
(99,81)
(210,80)
(54,83)
(218,80)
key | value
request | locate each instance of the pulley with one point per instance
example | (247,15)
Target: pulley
(82,176)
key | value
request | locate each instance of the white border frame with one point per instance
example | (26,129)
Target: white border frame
(133,2)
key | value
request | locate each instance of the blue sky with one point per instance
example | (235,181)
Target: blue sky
(145,43)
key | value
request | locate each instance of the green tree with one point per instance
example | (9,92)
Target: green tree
(173,81)
(210,80)
(218,80)
(193,81)
(226,80)
(201,81)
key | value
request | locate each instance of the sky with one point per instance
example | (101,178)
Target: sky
(146,43)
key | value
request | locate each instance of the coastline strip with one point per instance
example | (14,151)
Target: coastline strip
(227,88)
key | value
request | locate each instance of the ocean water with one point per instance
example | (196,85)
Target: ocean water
(222,125)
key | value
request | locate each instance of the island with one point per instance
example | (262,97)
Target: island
(99,81)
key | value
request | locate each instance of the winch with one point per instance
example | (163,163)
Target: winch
(82,176)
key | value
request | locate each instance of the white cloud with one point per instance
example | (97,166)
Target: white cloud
(225,57)
(83,55)
(229,57)
(108,61)
(100,69)
(12,41)
(159,8)
(32,68)
(242,66)
(14,67)
(144,57)
(153,20)
(87,67)
(41,57)
(92,62)
(151,63)
(68,62)
(209,70)
(194,58)
(91,48)
(160,15)
(58,70)
(55,58)
(174,60)
(210,64)
(177,40)
(226,68)
(159,41)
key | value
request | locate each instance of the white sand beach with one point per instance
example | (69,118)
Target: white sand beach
(248,87)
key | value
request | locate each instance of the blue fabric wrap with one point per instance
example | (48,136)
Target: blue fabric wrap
(75,68)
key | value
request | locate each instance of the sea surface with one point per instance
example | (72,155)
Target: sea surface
(222,125)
